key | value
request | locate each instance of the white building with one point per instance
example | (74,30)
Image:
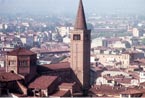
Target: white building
(99,42)
(66,39)
(115,73)
(2,62)
(29,40)
(136,32)
(1,26)
(120,44)
(63,31)
(142,77)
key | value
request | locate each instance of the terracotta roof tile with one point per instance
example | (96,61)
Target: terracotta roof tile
(20,51)
(106,89)
(61,65)
(131,91)
(67,84)
(124,80)
(142,84)
(141,61)
(8,76)
(2,69)
(60,93)
(42,82)
(115,69)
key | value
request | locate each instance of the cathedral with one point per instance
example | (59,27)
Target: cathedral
(24,78)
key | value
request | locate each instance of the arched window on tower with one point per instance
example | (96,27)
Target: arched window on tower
(76,37)
(23,63)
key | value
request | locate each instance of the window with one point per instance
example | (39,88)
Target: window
(23,63)
(109,81)
(124,95)
(76,37)
(12,62)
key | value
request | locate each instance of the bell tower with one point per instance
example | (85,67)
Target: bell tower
(80,49)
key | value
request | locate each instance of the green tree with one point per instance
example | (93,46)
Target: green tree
(143,41)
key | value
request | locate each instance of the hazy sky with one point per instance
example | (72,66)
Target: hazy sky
(70,6)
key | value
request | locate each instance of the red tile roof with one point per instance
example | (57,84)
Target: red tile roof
(142,84)
(60,93)
(67,84)
(106,89)
(141,61)
(115,69)
(8,76)
(61,65)
(131,91)
(20,51)
(124,80)
(2,69)
(42,82)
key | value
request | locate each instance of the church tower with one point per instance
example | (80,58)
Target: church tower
(80,49)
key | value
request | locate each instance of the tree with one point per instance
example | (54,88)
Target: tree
(90,26)
(143,41)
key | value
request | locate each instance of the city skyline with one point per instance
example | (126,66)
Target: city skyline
(69,7)
(44,53)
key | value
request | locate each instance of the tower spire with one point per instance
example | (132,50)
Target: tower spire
(80,22)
